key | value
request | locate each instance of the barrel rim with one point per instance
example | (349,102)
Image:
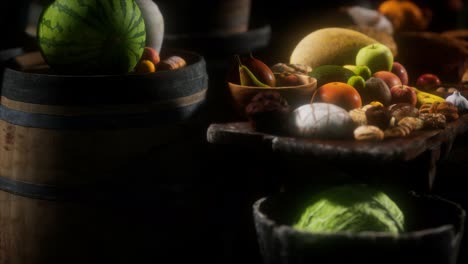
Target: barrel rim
(196,60)
(264,219)
(6,54)
(220,43)
(49,88)
(264,29)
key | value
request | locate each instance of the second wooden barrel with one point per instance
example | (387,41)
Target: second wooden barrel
(214,16)
(219,50)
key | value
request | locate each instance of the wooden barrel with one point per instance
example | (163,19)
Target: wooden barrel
(5,56)
(219,49)
(435,228)
(72,148)
(213,16)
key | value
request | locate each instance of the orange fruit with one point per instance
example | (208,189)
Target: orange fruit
(404,15)
(340,94)
(145,66)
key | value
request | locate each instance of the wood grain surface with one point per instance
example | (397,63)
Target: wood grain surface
(408,163)
(403,148)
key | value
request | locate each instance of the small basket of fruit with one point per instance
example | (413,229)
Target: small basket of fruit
(295,85)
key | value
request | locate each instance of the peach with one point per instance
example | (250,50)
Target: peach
(388,77)
(150,54)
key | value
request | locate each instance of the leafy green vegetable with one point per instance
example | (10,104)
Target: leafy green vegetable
(353,208)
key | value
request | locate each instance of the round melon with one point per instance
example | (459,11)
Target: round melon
(93,37)
(330,46)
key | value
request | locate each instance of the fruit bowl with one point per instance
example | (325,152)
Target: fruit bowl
(294,95)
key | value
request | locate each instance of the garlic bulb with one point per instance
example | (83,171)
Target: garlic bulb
(459,101)
(323,120)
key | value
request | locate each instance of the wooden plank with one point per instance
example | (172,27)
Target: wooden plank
(394,149)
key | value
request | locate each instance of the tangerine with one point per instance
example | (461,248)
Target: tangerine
(340,94)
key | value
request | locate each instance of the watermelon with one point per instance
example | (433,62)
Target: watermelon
(92,36)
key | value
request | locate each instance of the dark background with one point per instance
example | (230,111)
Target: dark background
(219,201)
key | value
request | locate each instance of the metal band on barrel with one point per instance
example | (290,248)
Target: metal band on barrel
(122,116)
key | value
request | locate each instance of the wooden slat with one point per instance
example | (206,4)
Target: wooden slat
(67,157)
(66,110)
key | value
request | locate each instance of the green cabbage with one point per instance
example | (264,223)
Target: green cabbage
(352,208)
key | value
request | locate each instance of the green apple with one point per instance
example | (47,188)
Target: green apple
(361,70)
(377,57)
(357,82)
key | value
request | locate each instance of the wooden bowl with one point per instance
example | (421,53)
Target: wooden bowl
(432,223)
(294,95)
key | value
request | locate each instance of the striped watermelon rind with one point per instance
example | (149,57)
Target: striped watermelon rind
(92,36)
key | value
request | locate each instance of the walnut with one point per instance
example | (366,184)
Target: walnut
(401,110)
(414,123)
(379,116)
(404,127)
(433,121)
(449,110)
(368,133)
(359,116)
(398,131)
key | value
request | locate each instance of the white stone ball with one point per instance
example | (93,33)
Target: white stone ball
(323,121)
(154,23)
(366,17)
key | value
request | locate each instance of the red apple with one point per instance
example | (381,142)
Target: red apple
(340,94)
(150,54)
(428,82)
(388,77)
(403,94)
(400,71)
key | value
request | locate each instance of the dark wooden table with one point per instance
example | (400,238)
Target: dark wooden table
(410,160)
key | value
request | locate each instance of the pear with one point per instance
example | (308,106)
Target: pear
(261,71)
(247,77)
